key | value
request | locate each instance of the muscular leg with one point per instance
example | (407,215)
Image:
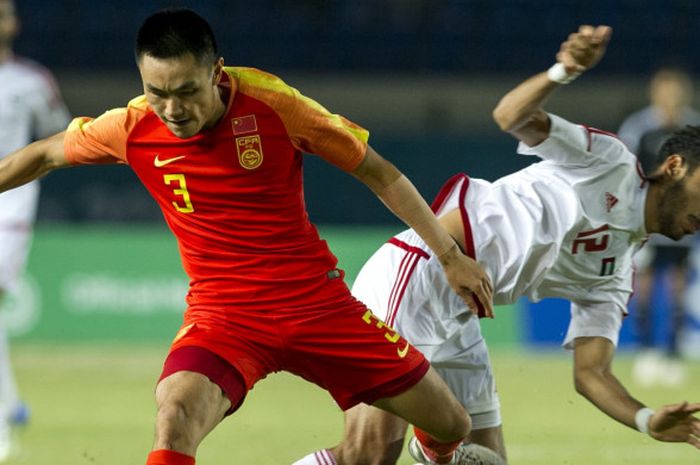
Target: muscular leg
(189,407)
(372,437)
(375,437)
(430,406)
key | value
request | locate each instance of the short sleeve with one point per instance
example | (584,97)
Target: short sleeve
(330,136)
(573,144)
(101,140)
(311,127)
(594,320)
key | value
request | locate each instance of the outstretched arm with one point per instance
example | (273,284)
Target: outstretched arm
(32,162)
(465,275)
(520,111)
(595,380)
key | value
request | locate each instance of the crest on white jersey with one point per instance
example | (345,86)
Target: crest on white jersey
(610,201)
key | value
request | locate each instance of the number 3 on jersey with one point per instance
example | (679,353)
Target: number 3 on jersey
(180,190)
(590,242)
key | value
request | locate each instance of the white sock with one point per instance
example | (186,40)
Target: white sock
(320,457)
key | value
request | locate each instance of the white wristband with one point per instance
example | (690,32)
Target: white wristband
(641,419)
(557,73)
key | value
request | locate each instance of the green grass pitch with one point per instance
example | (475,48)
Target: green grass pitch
(93,404)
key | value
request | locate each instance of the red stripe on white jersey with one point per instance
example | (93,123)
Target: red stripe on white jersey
(469,248)
(446,190)
(590,131)
(324,457)
(406,269)
(402,245)
(600,131)
(589,139)
(395,288)
(640,172)
(403,284)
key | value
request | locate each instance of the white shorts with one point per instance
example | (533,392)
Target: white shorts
(17,213)
(405,286)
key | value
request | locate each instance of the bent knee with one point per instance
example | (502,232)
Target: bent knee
(456,427)
(183,421)
(460,428)
(174,427)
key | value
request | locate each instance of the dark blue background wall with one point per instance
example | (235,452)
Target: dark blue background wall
(371,35)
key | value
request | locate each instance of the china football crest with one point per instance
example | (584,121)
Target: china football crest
(250,154)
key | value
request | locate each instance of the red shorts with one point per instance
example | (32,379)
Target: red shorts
(342,347)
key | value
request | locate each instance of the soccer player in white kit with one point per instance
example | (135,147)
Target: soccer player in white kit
(567,227)
(30,108)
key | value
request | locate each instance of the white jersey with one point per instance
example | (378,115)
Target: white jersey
(566,227)
(30,105)
(30,108)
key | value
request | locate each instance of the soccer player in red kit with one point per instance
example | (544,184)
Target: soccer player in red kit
(220,150)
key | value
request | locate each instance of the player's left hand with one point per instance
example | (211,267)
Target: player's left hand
(676,423)
(584,49)
(469,280)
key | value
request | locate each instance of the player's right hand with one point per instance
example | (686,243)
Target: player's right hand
(584,49)
(676,423)
(469,280)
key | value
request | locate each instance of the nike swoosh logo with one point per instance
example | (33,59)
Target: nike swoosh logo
(402,352)
(160,163)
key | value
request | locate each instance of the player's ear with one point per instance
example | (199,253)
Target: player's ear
(675,167)
(218,69)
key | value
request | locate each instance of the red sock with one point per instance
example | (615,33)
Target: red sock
(168,457)
(438,452)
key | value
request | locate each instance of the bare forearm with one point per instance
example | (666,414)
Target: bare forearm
(671,423)
(520,111)
(523,103)
(466,277)
(31,162)
(402,198)
(606,392)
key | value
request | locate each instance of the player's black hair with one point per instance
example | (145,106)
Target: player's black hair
(686,143)
(174,32)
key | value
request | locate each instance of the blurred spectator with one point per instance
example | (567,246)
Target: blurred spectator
(30,107)
(661,261)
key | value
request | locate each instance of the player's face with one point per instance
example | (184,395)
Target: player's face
(679,207)
(182,92)
(8,22)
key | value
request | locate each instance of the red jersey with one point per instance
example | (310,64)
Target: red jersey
(232,194)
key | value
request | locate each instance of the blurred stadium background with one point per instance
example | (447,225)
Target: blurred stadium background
(104,290)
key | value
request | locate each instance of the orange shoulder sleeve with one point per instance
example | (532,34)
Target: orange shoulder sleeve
(311,127)
(102,140)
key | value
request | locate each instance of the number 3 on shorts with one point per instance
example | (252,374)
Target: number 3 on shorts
(369,318)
